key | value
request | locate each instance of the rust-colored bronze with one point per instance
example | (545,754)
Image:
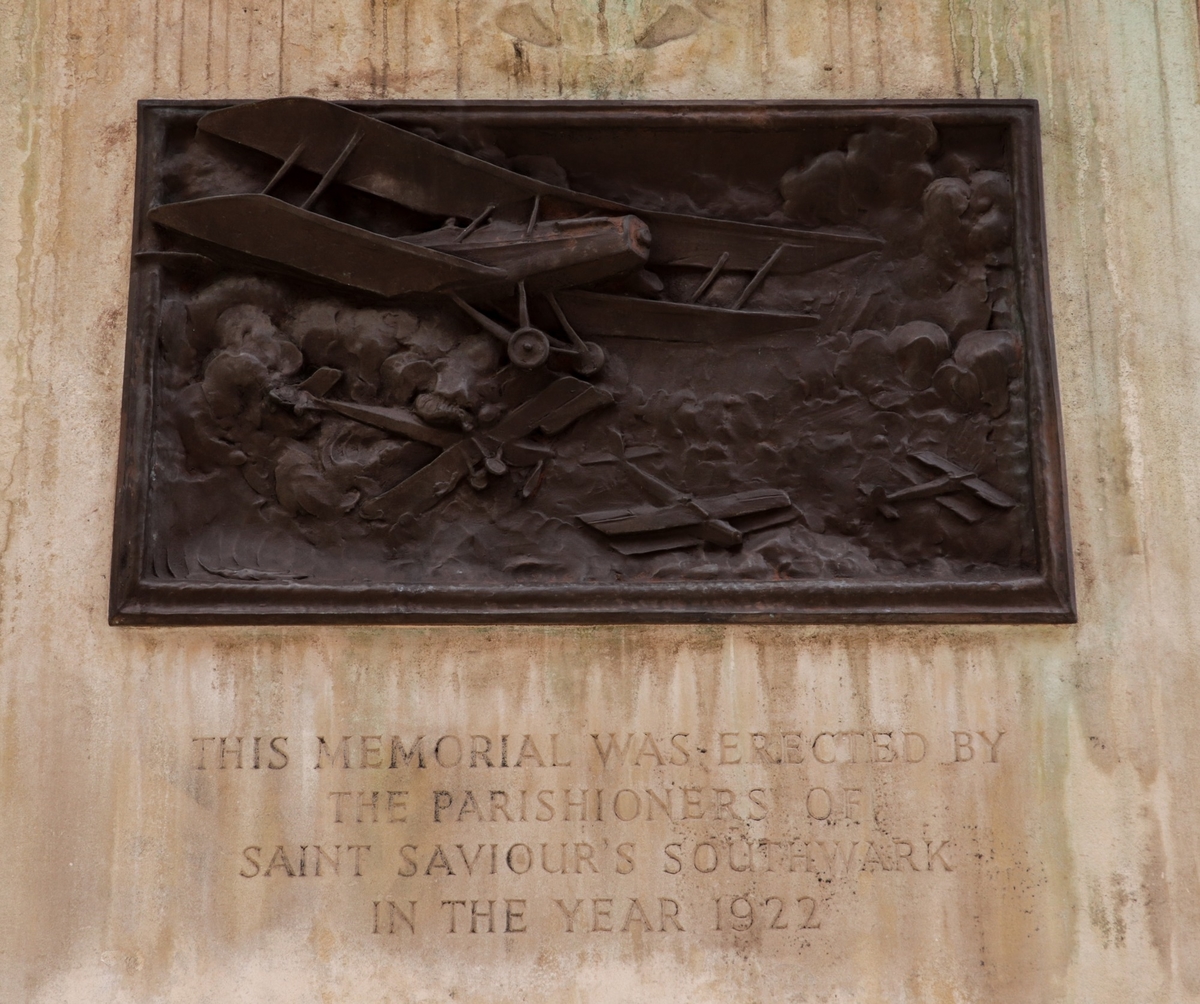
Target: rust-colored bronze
(439,362)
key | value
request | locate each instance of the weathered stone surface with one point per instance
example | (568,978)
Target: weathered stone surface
(1074,855)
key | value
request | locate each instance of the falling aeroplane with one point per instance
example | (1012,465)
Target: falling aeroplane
(681,519)
(476,455)
(516,229)
(947,489)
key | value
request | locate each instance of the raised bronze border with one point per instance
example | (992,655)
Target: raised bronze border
(1047,598)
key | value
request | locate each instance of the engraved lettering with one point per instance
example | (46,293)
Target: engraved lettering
(936,855)
(650,749)
(569,804)
(453,903)
(438,859)
(819,803)
(394,911)
(583,855)
(358,850)
(992,744)
(514,915)
(280,860)
(830,748)
(569,914)
(278,750)
(371,752)
(442,800)
(632,805)
(397,801)
(478,915)
(480,752)
(469,806)
(223,752)
(470,864)
(725,804)
(665,914)
(253,860)
(458,751)
(528,859)
(373,805)
(905,855)
(635,914)
(613,746)
(602,911)
(320,852)
(498,800)
(758,746)
(756,795)
(529,751)
(853,802)
(399,754)
(203,741)
(342,751)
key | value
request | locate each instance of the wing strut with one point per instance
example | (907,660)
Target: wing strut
(710,278)
(759,276)
(287,165)
(336,166)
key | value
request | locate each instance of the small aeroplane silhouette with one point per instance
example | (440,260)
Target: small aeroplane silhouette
(682,519)
(516,228)
(947,490)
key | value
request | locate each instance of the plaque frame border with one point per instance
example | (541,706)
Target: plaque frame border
(1048,597)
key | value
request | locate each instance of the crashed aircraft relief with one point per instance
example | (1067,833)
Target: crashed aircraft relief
(416,347)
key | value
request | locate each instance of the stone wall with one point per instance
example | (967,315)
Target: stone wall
(1074,864)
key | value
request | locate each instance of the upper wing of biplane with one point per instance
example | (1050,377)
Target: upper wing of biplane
(399,165)
(384,160)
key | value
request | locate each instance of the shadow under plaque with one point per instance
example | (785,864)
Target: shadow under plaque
(584,362)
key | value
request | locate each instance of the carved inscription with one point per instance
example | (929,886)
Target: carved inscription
(463,834)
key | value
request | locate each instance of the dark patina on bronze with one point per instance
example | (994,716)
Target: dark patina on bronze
(419,362)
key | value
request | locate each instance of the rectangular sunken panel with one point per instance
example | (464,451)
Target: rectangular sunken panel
(580,362)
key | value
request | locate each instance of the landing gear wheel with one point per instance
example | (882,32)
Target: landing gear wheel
(528,348)
(590,360)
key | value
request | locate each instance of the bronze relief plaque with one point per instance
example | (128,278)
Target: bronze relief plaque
(586,362)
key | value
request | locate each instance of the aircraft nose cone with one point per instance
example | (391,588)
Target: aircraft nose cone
(639,232)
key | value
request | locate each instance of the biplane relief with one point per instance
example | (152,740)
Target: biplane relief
(598,353)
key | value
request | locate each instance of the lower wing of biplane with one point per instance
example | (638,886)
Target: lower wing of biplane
(277,235)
